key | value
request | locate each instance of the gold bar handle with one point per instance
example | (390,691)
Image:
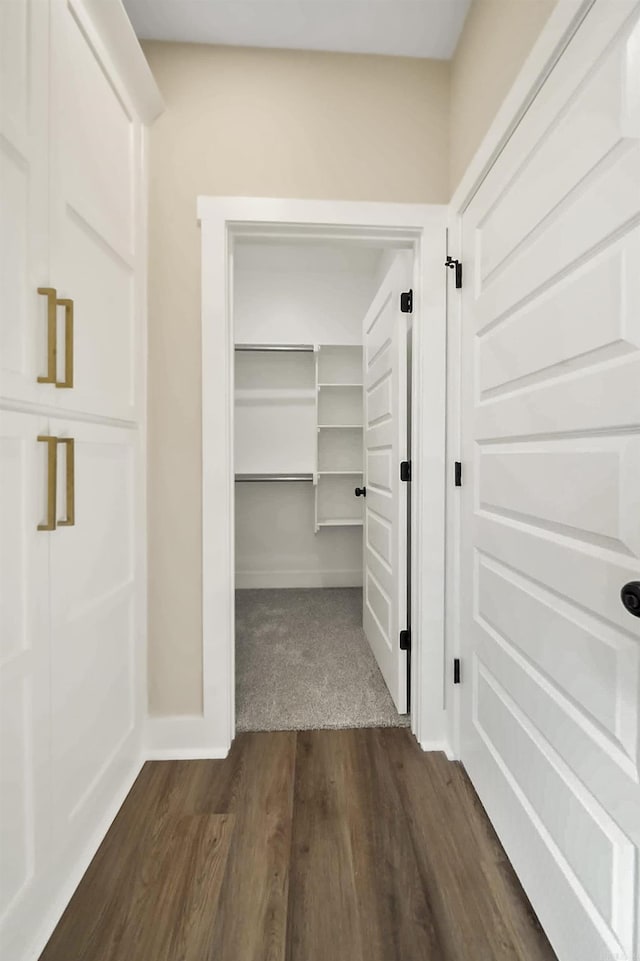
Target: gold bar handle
(67,303)
(52,480)
(52,301)
(70,519)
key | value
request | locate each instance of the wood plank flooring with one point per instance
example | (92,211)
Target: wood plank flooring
(309,846)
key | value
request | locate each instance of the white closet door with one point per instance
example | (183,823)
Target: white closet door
(385,505)
(25,788)
(93,677)
(23,197)
(551,496)
(94,196)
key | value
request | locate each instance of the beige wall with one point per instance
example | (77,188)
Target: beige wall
(261,123)
(496,39)
(290,124)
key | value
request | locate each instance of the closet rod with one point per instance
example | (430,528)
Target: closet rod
(255,478)
(287,348)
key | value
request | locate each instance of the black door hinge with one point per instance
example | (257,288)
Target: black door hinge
(456,670)
(450,262)
(405,640)
(458,474)
(406,302)
(405,471)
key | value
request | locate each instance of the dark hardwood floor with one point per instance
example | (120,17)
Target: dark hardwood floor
(311,846)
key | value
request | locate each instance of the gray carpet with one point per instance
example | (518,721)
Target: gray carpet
(303,662)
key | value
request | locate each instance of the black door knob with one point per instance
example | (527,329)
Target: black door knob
(361,491)
(630,595)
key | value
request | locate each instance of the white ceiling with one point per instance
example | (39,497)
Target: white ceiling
(409,28)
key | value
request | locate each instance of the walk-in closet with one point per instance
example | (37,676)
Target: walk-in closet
(303,658)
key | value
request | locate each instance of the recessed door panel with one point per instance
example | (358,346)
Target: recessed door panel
(581,319)
(95,163)
(93,624)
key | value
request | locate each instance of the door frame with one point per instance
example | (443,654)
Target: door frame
(563,23)
(418,226)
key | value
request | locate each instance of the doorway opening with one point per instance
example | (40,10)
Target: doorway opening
(227,224)
(322,399)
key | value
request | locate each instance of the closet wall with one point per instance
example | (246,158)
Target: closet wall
(291,417)
(298,124)
(72,447)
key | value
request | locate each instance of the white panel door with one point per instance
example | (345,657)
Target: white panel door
(23,197)
(385,447)
(551,496)
(25,788)
(93,628)
(95,157)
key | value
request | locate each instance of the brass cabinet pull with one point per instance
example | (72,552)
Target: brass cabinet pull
(52,480)
(52,303)
(67,303)
(71,481)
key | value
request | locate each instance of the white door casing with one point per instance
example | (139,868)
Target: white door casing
(401,226)
(550,727)
(384,338)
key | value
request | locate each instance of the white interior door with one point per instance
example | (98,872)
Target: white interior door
(551,496)
(385,513)
(94,698)
(95,157)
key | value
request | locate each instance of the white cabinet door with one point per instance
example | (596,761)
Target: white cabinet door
(385,505)
(25,787)
(93,628)
(95,159)
(551,496)
(23,197)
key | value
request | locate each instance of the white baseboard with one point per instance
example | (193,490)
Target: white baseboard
(180,738)
(281,579)
(187,738)
(442,746)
